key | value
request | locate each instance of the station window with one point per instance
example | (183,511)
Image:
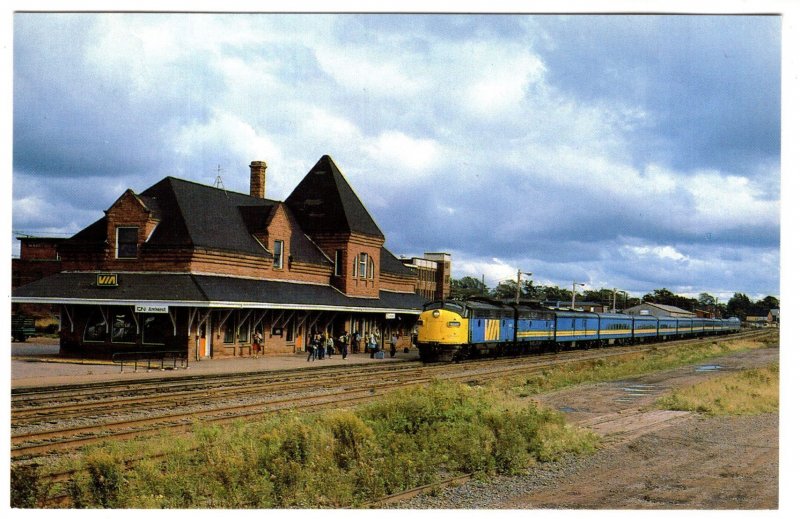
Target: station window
(277,254)
(228,331)
(95,328)
(290,330)
(123,327)
(127,242)
(338,268)
(155,328)
(362,264)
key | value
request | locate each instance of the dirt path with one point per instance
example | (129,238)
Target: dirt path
(667,459)
(651,459)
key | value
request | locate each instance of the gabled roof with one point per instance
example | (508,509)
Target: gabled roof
(196,215)
(668,308)
(324,202)
(203,216)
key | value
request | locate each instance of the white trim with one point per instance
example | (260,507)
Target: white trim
(216,305)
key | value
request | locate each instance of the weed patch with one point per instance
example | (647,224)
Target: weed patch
(752,391)
(334,459)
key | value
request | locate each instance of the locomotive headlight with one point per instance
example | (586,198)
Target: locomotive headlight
(436,313)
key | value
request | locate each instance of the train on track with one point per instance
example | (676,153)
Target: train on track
(452,330)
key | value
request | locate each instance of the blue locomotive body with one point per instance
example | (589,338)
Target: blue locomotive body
(493,327)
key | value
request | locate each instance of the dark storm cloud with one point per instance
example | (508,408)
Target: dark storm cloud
(610,148)
(712,83)
(72,118)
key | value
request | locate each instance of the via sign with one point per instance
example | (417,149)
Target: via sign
(152,309)
(107,280)
(390,316)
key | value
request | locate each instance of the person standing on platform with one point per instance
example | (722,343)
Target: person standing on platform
(329,345)
(257,338)
(393,345)
(343,340)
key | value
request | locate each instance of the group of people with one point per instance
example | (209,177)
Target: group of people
(322,346)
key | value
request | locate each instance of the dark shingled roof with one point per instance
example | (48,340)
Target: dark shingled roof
(196,215)
(203,216)
(391,265)
(325,203)
(202,290)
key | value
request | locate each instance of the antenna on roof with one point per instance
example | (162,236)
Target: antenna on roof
(218,182)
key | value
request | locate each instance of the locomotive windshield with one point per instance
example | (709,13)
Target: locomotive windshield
(453,306)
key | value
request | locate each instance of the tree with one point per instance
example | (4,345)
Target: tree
(466,287)
(740,306)
(706,299)
(505,289)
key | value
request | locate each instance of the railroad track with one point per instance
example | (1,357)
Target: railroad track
(335,393)
(83,418)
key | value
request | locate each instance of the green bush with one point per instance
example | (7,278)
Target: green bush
(335,459)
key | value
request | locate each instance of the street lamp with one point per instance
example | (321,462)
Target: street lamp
(575,284)
(519,280)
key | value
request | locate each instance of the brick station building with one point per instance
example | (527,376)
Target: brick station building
(187,266)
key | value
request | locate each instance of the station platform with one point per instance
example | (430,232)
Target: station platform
(36,363)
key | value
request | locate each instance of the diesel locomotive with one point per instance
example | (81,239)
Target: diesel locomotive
(451,330)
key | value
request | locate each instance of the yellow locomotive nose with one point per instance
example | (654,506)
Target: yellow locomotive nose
(441,326)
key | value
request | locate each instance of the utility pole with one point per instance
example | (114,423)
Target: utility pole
(519,281)
(614,302)
(574,284)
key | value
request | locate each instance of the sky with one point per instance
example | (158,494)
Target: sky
(634,152)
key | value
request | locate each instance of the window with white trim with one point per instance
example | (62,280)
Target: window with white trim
(127,242)
(338,263)
(277,254)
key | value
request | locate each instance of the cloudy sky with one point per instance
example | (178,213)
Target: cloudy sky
(630,152)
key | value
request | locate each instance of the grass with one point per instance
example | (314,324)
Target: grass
(747,392)
(346,458)
(334,459)
(603,370)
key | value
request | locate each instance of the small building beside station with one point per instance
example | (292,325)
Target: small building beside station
(658,310)
(183,265)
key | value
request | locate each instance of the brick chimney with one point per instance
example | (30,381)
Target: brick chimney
(258,178)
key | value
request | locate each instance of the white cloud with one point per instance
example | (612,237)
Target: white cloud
(728,201)
(403,155)
(493,272)
(661,252)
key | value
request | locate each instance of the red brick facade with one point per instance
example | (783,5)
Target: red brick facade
(272,246)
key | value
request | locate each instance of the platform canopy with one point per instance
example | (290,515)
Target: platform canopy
(205,291)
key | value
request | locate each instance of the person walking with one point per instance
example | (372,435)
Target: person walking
(373,345)
(393,345)
(343,341)
(312,351)
(357,342)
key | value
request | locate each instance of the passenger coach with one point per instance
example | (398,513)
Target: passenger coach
(449,330)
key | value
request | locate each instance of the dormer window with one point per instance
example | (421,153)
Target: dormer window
(127,242)
(277,254)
